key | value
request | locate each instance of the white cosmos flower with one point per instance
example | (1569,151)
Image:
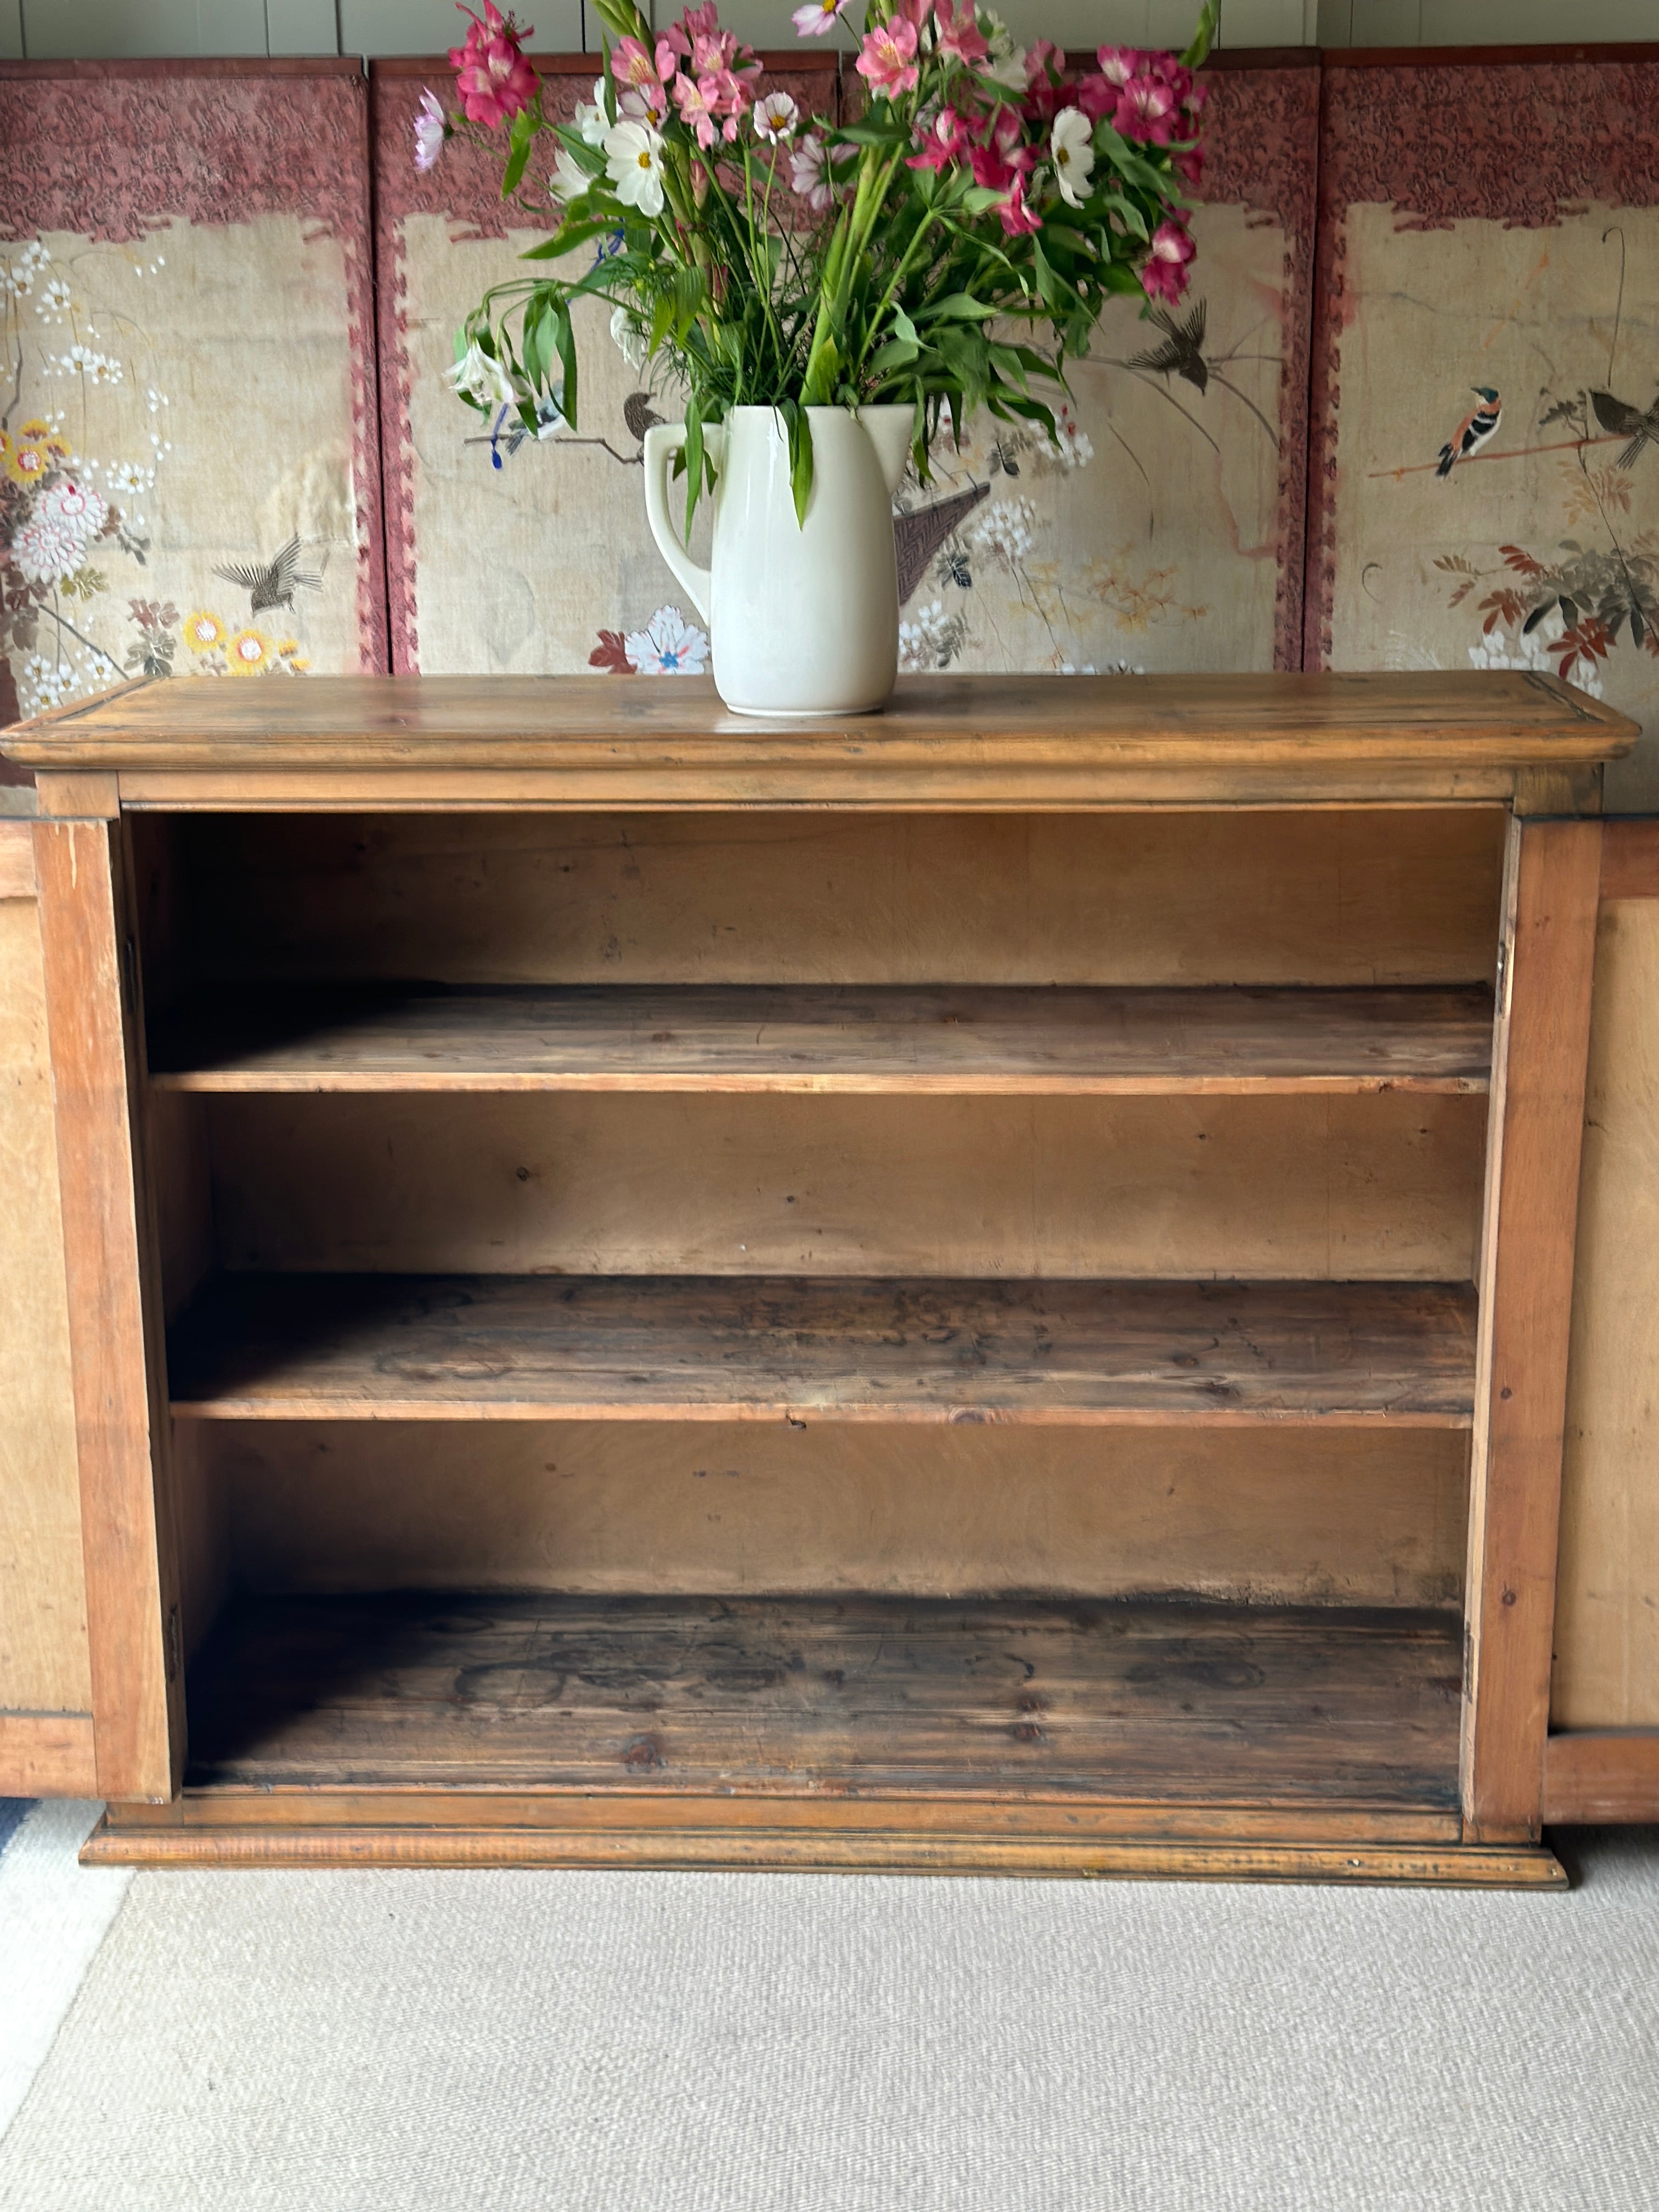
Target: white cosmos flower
(645,103)
(570,180)
(1072,147)
(590,119)
(478,376)
(775,117)
(633,156)
(627,338)
(430,129)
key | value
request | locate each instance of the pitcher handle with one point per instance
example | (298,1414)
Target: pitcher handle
(662,441)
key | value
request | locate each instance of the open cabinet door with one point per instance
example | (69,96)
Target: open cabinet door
(1603,1755)
(45,1680)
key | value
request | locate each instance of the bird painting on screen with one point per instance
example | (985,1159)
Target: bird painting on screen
(271,583)
(1473,432)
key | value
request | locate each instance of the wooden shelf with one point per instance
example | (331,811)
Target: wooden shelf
(1015,1698)
(741,1348)
(826,1037)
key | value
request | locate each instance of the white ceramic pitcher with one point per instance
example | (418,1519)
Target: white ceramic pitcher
(803,617)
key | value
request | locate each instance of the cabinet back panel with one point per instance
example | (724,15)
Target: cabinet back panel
(1320,897)
(1334,1188)
(1365,1518)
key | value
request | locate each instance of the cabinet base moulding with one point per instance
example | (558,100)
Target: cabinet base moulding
(1059,1851)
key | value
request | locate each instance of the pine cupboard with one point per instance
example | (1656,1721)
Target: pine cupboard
(985,1287)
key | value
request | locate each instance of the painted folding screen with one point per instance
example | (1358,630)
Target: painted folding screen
(1488,283)
(189,468)
(1166,533)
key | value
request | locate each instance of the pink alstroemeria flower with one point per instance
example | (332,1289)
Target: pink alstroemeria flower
(1007,135)
(1190,166)
(1098,99)
(494,79)
(1014,216)
(887,60)
(1044,58)
(959,35)
(645,103)
(632,64)
(819,16)
(712,52)
(1120,65)
(1164,276)
(944,140)
(990,169)
(1146,110)
(698,112)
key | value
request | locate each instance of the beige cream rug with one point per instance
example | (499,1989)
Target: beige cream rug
(563,2042)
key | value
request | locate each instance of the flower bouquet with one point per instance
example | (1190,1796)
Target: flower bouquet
(950,249)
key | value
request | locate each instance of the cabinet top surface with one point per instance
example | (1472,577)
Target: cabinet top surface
(1214,737)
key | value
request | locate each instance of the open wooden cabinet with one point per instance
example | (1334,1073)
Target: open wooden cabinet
(988,1287)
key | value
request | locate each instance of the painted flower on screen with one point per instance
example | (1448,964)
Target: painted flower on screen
(667,646)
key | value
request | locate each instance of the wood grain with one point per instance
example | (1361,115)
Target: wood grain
(734,1349)
(1358,898)
(1526,1296)
(1181,1819)
(1593,1776)
(1453,720)
(953,1041)
(47,1755)
(1607,1629)
(366,1843)
(1630,860)
(43,1623)
(1276,1514)
(16,860)
(136,1690)
(1018,1699)
(1290,1188)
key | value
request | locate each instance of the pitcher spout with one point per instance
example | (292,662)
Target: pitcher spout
(889,429)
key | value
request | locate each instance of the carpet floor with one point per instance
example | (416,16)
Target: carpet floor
(434,2042)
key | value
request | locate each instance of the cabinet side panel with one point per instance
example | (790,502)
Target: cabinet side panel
(43,1668)
(1526,1292)
(92,1014)
(1607,1641)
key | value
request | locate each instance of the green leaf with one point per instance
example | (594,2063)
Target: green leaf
(889,133)
(694,460)
(897,353)
(567,342)
(957,307)
(1203,37)
(518,146)
(570,235)
(980,199)
(798,430)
